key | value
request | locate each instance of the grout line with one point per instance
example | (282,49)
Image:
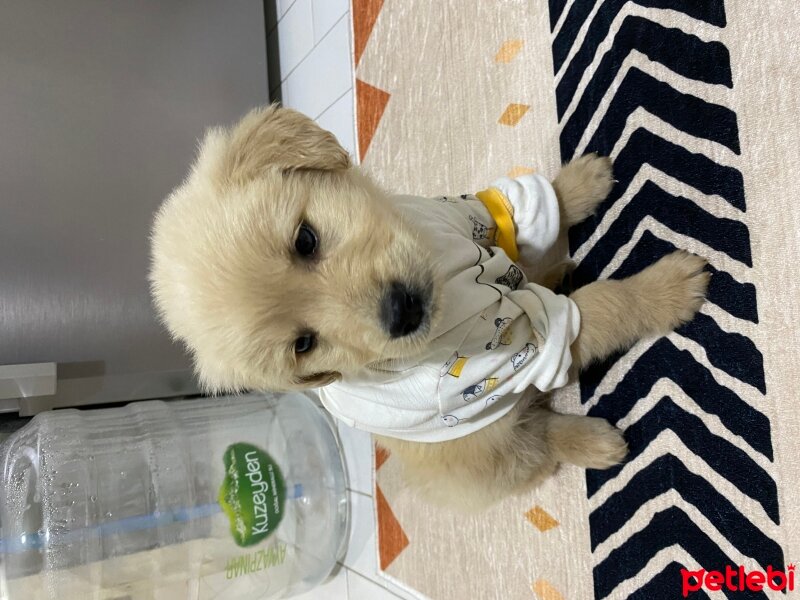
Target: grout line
(353,76)
(381,582)
(286,12)
(313,28)
(327,33)
(360,493)
(349,568)
(347,584)
(353,79)
(332,103)
(383,587)
(280,18)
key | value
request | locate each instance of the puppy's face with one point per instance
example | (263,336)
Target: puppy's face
(281,267)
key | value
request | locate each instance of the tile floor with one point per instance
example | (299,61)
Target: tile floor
(313,73)
(358,578)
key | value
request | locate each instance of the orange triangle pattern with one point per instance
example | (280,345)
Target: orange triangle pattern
(381,456)
(370,104)
(392,540)
(365,13)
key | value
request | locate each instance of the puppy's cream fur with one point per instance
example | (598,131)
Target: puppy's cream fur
(227,282)
(224,275)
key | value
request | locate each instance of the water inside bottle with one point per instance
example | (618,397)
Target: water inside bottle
(128,501)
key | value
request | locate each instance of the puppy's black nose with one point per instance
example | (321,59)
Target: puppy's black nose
(402,310)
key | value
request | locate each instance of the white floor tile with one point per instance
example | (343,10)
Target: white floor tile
(361,588)
(356,444)
(326,13)
(362,552)
(283,6)
(334,589)
(399,591)
(285,98)
(295,35)
(324,75)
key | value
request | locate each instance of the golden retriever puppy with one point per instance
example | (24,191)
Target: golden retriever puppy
(281,266)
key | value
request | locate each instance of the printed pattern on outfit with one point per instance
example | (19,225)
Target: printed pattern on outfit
(498,334)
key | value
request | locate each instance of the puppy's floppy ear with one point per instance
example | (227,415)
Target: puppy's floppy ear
(319,379)
(271,137)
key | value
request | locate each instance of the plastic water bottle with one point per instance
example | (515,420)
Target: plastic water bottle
(237,497)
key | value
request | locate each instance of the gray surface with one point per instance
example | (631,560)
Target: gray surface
(101,105)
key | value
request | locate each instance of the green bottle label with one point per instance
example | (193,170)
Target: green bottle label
(252,494)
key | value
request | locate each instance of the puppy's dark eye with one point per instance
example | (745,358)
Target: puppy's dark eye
(305,343)
(306,241)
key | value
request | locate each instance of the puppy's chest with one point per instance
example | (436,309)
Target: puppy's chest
(494,344)
(477,282)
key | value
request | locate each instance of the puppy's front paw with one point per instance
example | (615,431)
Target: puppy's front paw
(676,287)
(606,446)
(588,442)
(583,184)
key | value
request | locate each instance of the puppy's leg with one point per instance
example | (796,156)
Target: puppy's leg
(512,455)
(554,276)
(617,313)
(581,185)
(585,441)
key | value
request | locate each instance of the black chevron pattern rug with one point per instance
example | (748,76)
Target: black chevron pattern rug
(697,102)
(637,81)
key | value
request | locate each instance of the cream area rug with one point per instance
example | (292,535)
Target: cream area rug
(697,102)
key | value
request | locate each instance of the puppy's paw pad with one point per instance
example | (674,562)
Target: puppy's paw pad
(679,283)
(608,446)
(582,185)
(589,442)
(598,175)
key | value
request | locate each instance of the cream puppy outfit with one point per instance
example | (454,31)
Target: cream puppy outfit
(497,333)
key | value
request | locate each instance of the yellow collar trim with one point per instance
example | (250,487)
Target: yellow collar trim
(503,214)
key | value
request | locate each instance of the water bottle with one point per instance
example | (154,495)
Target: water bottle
(237,497)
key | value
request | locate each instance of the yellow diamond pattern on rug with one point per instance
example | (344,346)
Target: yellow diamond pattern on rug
(545,590)
(508,51)
(517,171)
(541,519)
(513,114)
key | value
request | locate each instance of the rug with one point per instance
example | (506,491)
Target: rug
(697,102)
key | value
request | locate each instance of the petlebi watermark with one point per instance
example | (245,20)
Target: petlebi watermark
(737,579)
